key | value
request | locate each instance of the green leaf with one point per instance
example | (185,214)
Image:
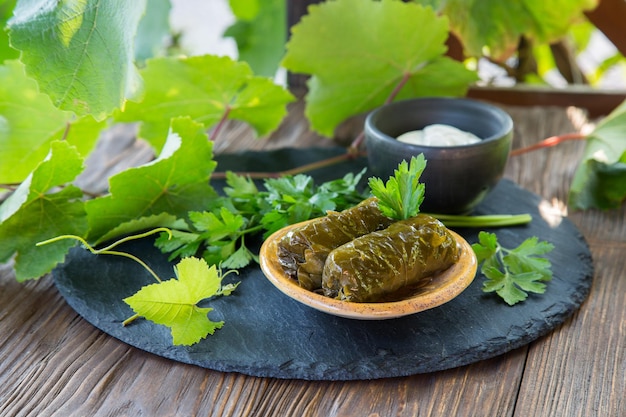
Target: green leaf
(401,196)
(239,186)
(6,11)
(153,31)
(207,89)
(34,212)
(179,245)
(144,223)
(486,247)
(218,226)
(511,273)
(176,182)
(527,257)
(359,51)
(600,179)
(81,52)
(498,25)
(173,303)
(29,123)
(260,33)
(239,259)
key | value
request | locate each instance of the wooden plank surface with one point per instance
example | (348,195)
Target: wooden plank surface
(53,363)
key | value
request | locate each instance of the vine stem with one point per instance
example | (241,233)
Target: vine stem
(220,124)
(351,153)
(549,142)
(354,146)
(130,319)
(108,249)
(299,170)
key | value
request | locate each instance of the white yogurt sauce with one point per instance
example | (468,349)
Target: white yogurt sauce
(439,135)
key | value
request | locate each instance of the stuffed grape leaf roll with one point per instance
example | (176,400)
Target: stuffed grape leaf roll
(377,266)
(302,252)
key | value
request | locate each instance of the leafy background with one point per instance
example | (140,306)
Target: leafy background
(74,68)
(84,65)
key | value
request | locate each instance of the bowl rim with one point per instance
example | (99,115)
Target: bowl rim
(506,129)
(448,285)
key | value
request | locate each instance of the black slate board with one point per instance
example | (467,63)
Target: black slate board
(267,334)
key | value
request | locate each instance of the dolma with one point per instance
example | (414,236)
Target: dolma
(302,252)
(378,266)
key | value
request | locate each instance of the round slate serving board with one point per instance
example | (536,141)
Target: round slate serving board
(267,334)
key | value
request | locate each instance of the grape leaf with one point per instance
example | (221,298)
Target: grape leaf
(36,212)
(144,223)
(600,179)
(153,30)
(358,52)
(260,33)
(174,303)
(24,142)
(497,24)
(177,182)
(6,11)
(81,52)
(205,88)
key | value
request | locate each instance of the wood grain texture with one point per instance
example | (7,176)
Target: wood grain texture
(53,363)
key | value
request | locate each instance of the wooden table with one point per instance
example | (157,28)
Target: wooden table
(52,362)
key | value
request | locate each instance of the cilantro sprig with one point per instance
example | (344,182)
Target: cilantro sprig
(401,196)
(513,273)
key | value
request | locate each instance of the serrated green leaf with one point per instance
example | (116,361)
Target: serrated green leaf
(486,247)
(34,213)
(497,25)
(260,33)
(6,11)
(144,223)
(218,251)
(512,294)
(29,123)
(205,88)
(401,196)
(179,245)
(530,281)
(173,303)
(512,272)
(218,227)
(527,257)
(600,179)
(239,259)
(81,52)
(359,51)
(495,278)
(153,31)
(239,186)
(175,183)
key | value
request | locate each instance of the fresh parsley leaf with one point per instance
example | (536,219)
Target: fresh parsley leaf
(174,303)
(219,231)
(513,273)
(401,196)
(239,258)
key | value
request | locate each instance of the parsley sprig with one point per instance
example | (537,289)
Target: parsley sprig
(401,196)
(219,233)
(513,273)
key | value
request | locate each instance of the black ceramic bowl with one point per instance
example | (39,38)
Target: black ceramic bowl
(457,178)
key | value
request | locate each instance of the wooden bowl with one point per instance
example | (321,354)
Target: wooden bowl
(442,287)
